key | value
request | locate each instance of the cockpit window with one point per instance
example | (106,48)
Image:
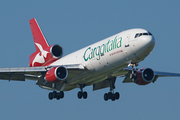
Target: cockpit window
(140,34)
(136,35)
(149,33)
(145,34)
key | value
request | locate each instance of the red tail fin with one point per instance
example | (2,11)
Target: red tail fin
(39,39)
(44,53)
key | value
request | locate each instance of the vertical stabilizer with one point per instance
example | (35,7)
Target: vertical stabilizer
(39,39)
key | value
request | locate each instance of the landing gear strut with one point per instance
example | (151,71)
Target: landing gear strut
(111,95)
(82,94)
(133,75)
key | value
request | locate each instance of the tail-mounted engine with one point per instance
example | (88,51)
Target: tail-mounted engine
(56,74)
(144,76)
(46,56)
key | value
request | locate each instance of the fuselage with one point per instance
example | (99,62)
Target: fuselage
(104,58)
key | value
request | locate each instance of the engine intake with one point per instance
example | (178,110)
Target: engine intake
(56,74)
(148,75)
(144,76)
(56,51)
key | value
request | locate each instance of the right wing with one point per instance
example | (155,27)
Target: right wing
(21,73)
(38,73)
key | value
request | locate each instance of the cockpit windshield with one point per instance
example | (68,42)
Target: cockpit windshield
(140,34)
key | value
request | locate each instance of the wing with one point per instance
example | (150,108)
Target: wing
(22,73)
(37,74)
(156,73)
(166,74)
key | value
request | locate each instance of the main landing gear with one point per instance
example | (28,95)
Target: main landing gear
(82,94)
(57,95)
(111,95)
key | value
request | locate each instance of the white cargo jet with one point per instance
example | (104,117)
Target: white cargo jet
(98,64)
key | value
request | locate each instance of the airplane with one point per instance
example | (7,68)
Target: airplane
(98,64)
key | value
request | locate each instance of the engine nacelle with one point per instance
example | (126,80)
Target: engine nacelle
(46,56)
(144,76)
(56,74)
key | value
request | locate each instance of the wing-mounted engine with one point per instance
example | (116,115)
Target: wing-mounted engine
(44,57)
(56,74)
(144,76)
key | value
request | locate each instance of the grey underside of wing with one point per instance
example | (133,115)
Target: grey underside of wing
(166,74)
(20,73)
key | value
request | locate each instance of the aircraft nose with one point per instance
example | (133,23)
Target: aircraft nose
(144,46)
(148,41)
(152,41)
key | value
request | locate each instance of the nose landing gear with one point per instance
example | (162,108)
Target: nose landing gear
(133,75)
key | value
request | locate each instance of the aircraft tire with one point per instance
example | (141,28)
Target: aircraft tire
(58,96)
(79,94)
(113,97)
(54,93)
(106,97)
(110,95)
(61,94)
(84,94)
(117,95)
(50,96)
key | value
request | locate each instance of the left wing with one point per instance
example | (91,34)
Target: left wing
(156,73)
(139,80)
(166,74)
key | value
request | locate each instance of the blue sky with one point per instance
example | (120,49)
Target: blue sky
(76,24)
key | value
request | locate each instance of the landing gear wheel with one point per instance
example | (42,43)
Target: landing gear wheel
(110,95)
(50,96)
(117,95)
(79,94)
(106,97)
(58,96)
(113,97)
(84,95)
(61,94)
(54,93)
